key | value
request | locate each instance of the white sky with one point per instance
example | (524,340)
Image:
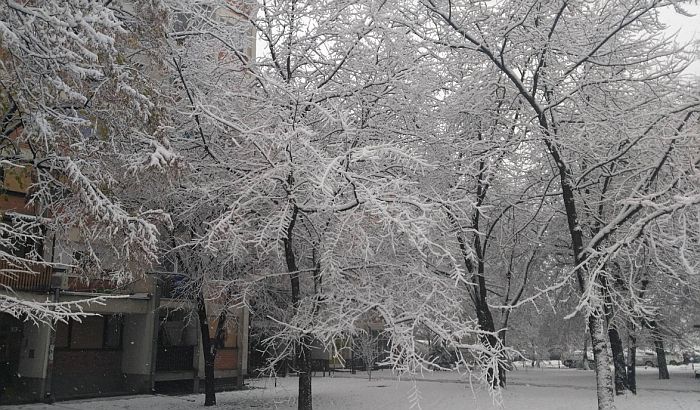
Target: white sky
(688,29)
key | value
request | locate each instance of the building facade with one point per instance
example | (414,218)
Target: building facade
(141,342)
(144,338)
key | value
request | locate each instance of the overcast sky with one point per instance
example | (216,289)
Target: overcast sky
(688,28)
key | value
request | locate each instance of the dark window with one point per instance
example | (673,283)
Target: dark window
(91,333)
(87,334)
(62,335)
(113,332)
(22,242)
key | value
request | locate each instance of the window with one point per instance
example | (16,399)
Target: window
(18,240)
(113,332)
(62,335)
(87,334)
(92,333)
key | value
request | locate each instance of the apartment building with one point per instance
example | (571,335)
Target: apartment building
(145,339)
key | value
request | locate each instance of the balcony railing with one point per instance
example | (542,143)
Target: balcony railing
(38,280)
(173,358)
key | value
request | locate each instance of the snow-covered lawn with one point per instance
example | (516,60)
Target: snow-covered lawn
(542,389)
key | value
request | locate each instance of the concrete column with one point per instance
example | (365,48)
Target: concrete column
(139,339)
(32,362)
(136,354)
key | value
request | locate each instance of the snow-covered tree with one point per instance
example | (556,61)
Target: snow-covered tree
(602,89)
(309,161)
(78,121)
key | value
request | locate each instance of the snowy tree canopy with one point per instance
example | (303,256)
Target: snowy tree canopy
(79,119)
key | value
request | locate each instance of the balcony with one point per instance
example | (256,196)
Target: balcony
(175,358)
(38,280)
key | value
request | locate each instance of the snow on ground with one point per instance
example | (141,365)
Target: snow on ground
(529,388)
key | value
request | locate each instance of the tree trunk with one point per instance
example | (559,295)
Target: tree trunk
(584,357)
(303,350)
(599,343)
(661,358)
(486,323)
(632,356)
(209,347)
(478,289)
(596,316)
(209,352)
(653,326)
(618,353)
(304,370)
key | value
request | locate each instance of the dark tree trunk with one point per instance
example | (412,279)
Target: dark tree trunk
(486,323)
(478,290)
(304,370)
(632,356)
(584,359)
(656,336)
(596,321)
(661,358)
(303,359)
(210,347)
(209,352)
(618,351)
(618,354)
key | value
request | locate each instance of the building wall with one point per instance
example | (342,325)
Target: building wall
(88,358)
(35,346)
(137,352)
(32,362)
(16,203)
(230,365)
(87,373)
(87,365)
(23,347)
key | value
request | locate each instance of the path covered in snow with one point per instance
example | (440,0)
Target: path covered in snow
(529,388)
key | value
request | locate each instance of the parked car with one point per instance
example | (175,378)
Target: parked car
(650,359)
(674,358)
(691,357)
(645,358)
(575,359)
